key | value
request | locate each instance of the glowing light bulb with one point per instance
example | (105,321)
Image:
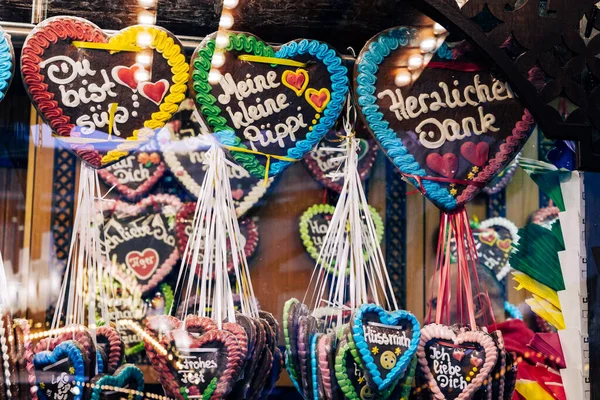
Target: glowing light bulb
(146,18)
(428,45)
(403,78)
(226,21)
(141,75)
(218,59)
(222,40)
(144,39)
(214,76)
(438,29)
(147,3)
(415,61)
(230,4)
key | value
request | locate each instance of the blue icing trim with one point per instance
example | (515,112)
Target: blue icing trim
(366,79)
(339,88)
(125,374)
(65,349)
(100,362)
(289,371)
(367,359)
(513,311)
(6,64)
(445,52)
(314,360)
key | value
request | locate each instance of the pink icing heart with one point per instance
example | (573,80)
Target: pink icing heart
(476,362)
(458,355)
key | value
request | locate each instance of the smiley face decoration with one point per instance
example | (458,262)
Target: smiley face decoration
(270,103)
(103,96)
(450,126)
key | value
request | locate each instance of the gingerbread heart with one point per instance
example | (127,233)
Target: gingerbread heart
(62,373)
(448,377)
(437,108)
(184,152)
(307,328)
(7,63)
(292,311)
(76,333)
(136,174)
(493,240)
(325,356)
(314,224)
(326,166)
(274,373)
(386,343)
(27,377)
(110,342)
(279,113)
(140,239)
(126,382)
(248,238)
(103,96)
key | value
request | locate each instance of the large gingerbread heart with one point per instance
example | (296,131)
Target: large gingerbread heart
(248,238)
(184,152)
(455,364)
(127,382)
(450,126)
(140,239)
(103,96)
(7,63)
(62,373)
(266,107)
(386,343)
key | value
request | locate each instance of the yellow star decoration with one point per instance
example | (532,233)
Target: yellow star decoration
(476,169)
(397,351)
(361,379)
(375,350)
(471,175)
(71,370)
(42,385)
(453,192)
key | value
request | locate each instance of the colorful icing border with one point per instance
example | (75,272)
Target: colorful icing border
(509,172)
(514,233)
(329,209)
(289,362)
(314,364)
(121,377)
(323,179)
(115,346)
(226,135)
(64,28)
(7,64)
(134,209)
(187,212)
(366,68)
(438,331)
(126,191)
(70,350)
(323,350)
(367,360)
(169,151)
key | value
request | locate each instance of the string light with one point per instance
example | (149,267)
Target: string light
(226,21)
(141,75)
(214,76)
(403,78)
(230,4)
(218,59)
(415,61)
(145,18)
(143,59)
(144,39)
(439,29)
(147,3)
(222,40)
(428,45)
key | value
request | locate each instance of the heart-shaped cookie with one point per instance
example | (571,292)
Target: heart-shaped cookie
(262,373)
(126,382)
(103,96)
(248,238)
(292,311)
(448,377)
(135,175)
(7,63)
(27,377)
(307,328)
(437,108)
(76,333)
(274,373)
(184,153)
(260,106)
(325,351)
(110,342)
(315,222)
(326,166)
(140,239)
(386,343)
(62,373)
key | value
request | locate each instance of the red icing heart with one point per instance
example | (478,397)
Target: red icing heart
(295,79)
(445,165)
(476,362)
(505,244)
(488,237)
(458,355)
(237,194)
(154,91)
(126,75)
(319,99)
(475,154)
(143,264)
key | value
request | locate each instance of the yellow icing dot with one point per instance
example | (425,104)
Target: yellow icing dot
(468,379)
(475,369)
(310,128)
(471,373)
(314,121)
(318,116)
